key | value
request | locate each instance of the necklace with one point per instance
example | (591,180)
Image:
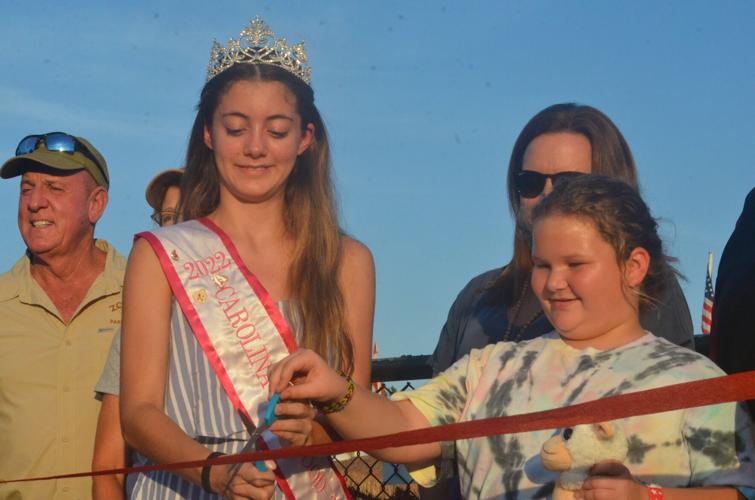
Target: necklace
(515,316)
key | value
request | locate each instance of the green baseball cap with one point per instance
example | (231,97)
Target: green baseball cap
(85,157)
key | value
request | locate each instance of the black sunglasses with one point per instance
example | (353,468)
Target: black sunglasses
(57,142)
(529,184)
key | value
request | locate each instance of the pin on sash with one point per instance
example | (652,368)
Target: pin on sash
(199,296)
(219,280)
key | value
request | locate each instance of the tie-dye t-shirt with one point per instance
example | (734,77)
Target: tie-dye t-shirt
(694,447)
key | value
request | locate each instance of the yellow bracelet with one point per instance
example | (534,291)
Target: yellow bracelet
(339,405)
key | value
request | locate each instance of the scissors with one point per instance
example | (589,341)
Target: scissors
(251,445)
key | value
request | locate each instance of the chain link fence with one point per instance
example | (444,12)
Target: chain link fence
(366,477)
(369,478)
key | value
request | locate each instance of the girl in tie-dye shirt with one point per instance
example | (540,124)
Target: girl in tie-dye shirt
(597,261)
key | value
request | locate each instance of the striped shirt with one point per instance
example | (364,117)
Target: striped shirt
(197,403)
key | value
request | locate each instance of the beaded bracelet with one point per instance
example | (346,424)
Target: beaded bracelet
(339,405)
(206,472)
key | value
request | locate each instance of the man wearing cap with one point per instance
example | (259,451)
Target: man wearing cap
(60,305)
(110,452)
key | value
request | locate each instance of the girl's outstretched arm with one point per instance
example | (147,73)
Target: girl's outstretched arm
(366,415)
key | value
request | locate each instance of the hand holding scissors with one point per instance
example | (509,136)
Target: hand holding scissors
(244,481)
(252,443)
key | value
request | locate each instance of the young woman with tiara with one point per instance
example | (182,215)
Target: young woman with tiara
(598,263)
(259,267)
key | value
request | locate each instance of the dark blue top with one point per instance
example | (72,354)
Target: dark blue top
(474,321)
(733,330)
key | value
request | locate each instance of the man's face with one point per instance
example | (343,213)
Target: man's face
(56,213)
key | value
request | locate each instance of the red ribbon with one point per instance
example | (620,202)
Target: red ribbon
(725,389)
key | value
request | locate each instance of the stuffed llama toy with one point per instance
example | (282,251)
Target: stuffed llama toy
(574,450)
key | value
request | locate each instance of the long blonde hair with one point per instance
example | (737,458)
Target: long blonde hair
(310,214)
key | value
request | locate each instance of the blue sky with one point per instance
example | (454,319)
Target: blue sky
(423,101)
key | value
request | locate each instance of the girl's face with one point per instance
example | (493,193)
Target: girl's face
(584,292)
(256,136)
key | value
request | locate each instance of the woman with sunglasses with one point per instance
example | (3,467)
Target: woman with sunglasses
(258,266)
(561,141)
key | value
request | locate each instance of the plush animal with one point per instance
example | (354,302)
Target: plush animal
(576,449)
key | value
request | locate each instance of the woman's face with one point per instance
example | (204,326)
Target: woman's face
(169,207)
(256,136)
(553,153)
(577,278)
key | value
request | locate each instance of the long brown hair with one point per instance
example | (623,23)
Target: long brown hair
(622,219)
(611,157)
(310,214)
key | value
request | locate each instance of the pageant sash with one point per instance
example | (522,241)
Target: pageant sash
(241,332)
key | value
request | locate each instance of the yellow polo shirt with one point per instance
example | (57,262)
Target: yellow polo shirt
(48,370)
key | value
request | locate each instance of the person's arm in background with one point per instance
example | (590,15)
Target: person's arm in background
(444,354)
(109,451)
(464,328)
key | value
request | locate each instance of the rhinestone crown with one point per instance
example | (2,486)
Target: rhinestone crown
(257,45)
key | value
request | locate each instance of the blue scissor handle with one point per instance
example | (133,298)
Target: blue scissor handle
(270,417)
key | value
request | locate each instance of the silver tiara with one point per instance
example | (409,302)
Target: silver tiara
(257,45)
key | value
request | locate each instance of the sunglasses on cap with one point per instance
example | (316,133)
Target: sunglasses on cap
(529,184)
(57,142)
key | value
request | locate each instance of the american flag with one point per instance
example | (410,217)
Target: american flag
(708,300)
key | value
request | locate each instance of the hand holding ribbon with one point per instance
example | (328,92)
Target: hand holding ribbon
(315,380)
